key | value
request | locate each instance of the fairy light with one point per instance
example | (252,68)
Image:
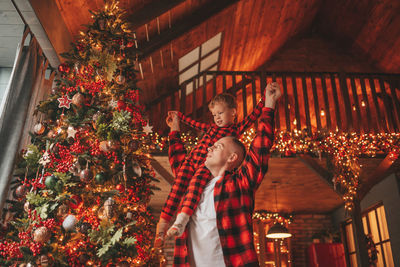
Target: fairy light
(344,149)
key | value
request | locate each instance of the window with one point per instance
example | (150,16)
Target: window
(374,223)
(202,58)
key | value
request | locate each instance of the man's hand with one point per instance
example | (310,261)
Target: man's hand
(272,94)
(172,121)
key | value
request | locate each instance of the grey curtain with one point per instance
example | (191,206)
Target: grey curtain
(26,78)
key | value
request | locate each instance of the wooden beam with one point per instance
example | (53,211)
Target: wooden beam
(323,173)
(184,25)
(359,236)
(381,172)
(162,171)
(151,11)
(53,38)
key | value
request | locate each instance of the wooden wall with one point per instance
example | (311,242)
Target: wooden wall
(315,53)
(371,28)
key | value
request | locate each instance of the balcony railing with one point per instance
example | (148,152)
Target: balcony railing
(359,102)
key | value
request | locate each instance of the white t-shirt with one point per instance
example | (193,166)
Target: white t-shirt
(204,245)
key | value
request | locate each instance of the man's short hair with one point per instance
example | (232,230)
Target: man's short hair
(226,98)
(242,148)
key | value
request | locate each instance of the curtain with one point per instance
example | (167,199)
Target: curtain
(26,78)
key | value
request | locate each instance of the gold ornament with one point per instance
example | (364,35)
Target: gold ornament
(41,234)
(103,146)
(78,99)
(27,206)
(109,208)
(44,261)
(62,211)
(120,79)
(39,129)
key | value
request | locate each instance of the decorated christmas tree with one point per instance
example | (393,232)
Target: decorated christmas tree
(81,188)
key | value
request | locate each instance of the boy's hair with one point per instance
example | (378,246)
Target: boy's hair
(226,98)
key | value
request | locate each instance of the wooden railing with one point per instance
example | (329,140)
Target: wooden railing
(359,102)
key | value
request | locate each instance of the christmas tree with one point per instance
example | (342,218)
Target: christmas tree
(82,186)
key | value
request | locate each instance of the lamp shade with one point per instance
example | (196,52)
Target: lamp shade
(278,231)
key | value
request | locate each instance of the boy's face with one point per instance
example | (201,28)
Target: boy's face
(223,115)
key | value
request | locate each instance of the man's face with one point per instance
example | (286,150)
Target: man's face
(218,154)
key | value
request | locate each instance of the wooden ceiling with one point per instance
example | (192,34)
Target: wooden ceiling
(253,31)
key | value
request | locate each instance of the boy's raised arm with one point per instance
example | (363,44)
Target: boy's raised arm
(201,126)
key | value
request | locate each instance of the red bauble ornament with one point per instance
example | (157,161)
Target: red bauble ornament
(64,68)
(120,188)
(86,175)
(21,191)
(75,201)
(130,44)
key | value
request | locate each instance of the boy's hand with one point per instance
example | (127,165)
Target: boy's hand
(172,121)
(161,230)
(173,113)
(272,94)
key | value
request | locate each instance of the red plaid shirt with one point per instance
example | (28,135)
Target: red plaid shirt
(193,163)
(234,197)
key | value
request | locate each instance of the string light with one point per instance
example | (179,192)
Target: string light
(344,149)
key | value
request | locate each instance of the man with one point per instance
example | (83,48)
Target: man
(220,231)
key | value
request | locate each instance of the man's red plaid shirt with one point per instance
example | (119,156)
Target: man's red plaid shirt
(186,189)
(233,196)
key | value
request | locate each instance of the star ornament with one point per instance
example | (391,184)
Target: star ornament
(71,132)
(45,159)
(148,129)
(64,102)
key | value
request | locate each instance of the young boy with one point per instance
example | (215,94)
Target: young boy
(188,186)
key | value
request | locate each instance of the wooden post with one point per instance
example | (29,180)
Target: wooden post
(244,96)
(366,103)
(381,120)
(356,104)
(183,98)
(286,100)
(261,240)
(296,103)
(336,101)
(359,236)
(204,93)
(326,103)
(316,102)
(305,98)
(194,102)
(346,98)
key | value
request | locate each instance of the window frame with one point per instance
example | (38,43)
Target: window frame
(381,242)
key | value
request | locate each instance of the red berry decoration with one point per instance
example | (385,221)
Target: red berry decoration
(121,105)
(64,68)
(120,188)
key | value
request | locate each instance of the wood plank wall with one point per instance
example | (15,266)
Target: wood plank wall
(349,102)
